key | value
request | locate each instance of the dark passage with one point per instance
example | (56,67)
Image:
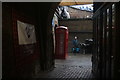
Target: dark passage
(36,60)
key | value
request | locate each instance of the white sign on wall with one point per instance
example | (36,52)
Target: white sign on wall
(26,33)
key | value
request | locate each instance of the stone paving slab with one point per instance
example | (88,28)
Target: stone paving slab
(74,67)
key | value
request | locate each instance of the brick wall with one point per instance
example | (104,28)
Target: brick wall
(82,28)
(76,13)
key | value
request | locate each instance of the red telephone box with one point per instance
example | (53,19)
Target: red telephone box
(61,44)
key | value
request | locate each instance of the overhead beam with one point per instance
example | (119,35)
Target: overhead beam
(74,3)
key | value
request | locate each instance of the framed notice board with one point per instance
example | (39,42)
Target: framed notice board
(25,42)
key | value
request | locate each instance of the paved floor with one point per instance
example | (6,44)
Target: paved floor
(75,66)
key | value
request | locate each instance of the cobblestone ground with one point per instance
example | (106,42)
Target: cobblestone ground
(74,67)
